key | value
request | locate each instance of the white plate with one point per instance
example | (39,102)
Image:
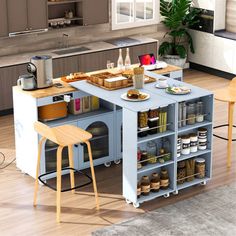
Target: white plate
(157,86)
(124,97)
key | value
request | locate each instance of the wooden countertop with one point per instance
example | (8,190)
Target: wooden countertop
(51,91)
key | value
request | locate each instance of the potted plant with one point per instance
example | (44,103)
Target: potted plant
(178,16)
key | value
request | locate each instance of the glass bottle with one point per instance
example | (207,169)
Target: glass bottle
(199,112)
(120,62)
(152,152)
(155,182)
(164,179)
(127,60)
(145,185)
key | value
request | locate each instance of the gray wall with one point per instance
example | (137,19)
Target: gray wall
(77,35)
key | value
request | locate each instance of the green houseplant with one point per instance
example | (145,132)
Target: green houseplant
(178,16)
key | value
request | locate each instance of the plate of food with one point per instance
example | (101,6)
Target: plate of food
(134,95)
(178,90)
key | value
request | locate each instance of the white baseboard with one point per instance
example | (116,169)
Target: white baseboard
(186,65)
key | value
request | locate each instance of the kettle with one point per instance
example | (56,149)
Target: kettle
(27,82)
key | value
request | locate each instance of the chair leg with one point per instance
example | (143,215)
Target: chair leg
(93,174)
(230,131)
(71,162)
(59,152)
(42,140)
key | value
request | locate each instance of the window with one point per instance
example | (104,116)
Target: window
(134,13)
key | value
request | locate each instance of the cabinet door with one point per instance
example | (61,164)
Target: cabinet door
(37,14)
(95,12)
(17,15)
(8,78)
(3,18)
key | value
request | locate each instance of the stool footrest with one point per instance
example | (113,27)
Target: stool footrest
(67,189)
(218,136)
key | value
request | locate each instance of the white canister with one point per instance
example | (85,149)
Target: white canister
(185,145)
(193,142)
(178,147)
(202,144)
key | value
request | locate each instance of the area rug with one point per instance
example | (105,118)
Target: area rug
(210,213)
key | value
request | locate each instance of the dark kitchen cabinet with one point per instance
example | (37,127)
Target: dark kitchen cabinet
(37,14)
(24,15)
(95,12)
(17,15)
(8,78)
(3,18)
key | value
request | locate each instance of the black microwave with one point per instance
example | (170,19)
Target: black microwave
(206,21)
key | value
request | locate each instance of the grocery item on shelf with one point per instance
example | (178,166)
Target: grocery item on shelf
(155,182)
(179,147)
(143,123)
(199,112)
(165,181)
(185,145)
(181,172)
(152,152)
(191,117)
(153,121)
(200,167)
(145,185)
(190,169)
(138,77)
(144,158)
(193,142)
(139,190)
(162,120)
(202,138)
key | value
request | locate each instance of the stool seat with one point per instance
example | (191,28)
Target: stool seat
(65,135)
(225,94)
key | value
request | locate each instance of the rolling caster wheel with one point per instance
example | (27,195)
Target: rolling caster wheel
(203,183)
(117,162)
(107,164)
(136,205)
(176,192)
(128,201)
(166,195)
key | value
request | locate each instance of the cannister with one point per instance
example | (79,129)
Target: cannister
(155,182)
(200,167)
(145,185)
(185,145)
(193,142)
(164,179)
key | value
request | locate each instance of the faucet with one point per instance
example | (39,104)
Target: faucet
(63,41)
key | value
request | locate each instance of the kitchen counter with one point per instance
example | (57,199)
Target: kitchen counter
(93,46)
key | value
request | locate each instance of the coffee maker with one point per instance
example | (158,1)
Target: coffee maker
(41,68)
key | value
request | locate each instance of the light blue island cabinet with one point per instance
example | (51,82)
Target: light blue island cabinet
(132,142)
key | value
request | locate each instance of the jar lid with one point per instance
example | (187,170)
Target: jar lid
(202,129)
(185,136)
(199,160)
(145,177)
(155,174)
(193,135)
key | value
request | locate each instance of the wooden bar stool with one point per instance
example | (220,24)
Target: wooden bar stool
(228,95)
(66,135)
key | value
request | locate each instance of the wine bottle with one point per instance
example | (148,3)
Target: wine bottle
(127,60)
(120,62)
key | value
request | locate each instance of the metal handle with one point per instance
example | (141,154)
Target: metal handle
(19,82)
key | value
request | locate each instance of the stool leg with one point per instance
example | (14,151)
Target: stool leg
(93,174)
(230,131)
(36,185)
(71,162)
(59,151)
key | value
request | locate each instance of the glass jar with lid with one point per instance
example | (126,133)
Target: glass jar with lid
(199,112)
(191,117)
(152,152)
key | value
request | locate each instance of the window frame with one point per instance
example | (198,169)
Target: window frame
(126,25)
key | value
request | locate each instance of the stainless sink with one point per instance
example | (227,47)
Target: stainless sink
(71,50)
(122,41)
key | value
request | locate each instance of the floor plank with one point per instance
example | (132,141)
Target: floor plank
(19,217)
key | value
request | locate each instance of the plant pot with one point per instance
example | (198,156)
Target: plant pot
(174,60)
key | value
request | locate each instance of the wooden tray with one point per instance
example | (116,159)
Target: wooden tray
(130,84)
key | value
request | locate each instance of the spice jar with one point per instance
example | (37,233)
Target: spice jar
(199,112)
(155,182)
(145,185)
(139,190)
(202,138)
(200,167)
(144,158)
(185,145)
(193,142)
(152,152)
(164,179)
(178,147)
(191,114)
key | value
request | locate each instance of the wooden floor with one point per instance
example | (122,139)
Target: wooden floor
(19,217)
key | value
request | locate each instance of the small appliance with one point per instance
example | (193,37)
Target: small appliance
(41,68)
(27,82)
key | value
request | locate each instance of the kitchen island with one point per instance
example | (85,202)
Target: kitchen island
(111,111)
